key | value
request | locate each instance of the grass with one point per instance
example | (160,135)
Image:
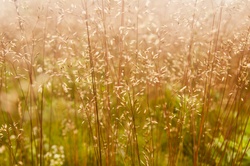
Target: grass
(125,83)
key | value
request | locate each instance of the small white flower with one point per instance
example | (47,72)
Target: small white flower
(56,156)
(12,137)
(61,148)
(2,149)
(39,70)
(48,85)
(40,89)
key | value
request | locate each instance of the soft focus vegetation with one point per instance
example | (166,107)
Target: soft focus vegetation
(124,82)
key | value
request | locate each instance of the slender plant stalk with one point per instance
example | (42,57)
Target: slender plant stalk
(119,79)
(107,99)
(190,61)
(99,161)
(134,130)
(29,66)
(206,99)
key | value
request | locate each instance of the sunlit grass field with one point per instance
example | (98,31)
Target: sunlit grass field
(125,83)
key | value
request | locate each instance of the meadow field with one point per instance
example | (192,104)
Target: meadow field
(125,83)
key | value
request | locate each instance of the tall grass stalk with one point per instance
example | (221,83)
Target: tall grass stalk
(98,133)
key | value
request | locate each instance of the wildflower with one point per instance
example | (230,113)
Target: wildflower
(2,149)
